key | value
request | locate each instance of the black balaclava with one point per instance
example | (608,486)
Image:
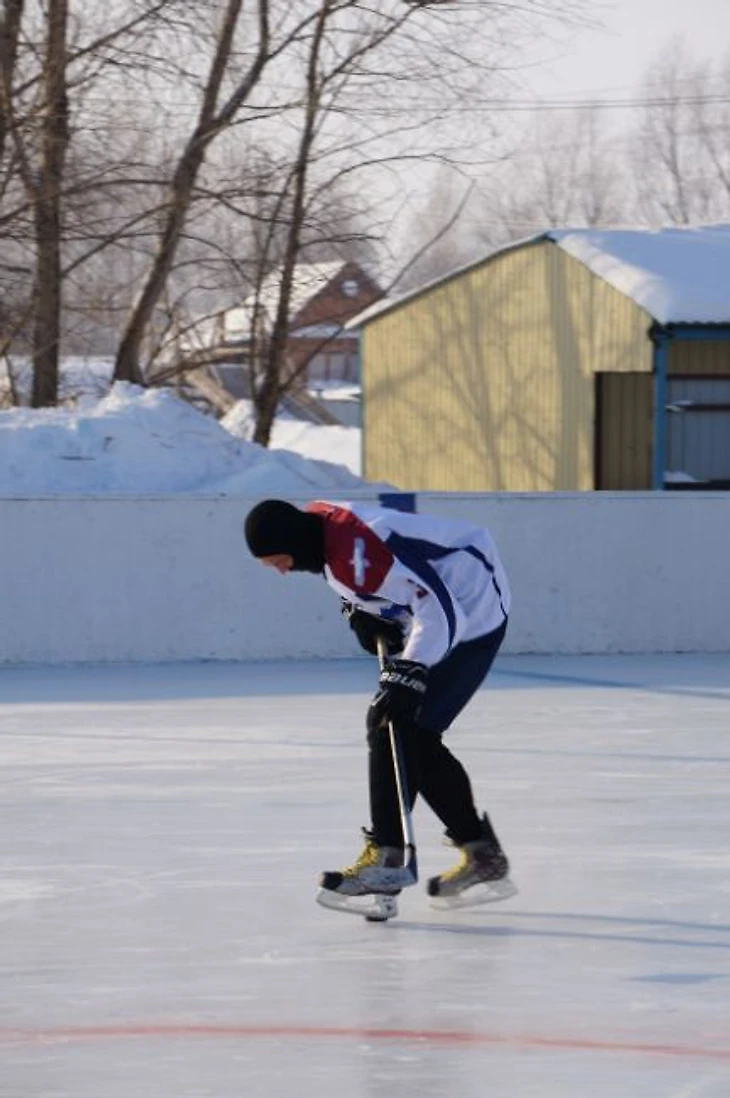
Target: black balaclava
(275,526)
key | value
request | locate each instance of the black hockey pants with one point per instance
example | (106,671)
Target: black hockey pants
(430,768)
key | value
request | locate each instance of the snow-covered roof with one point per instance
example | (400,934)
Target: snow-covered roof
(309,279)
(678,275)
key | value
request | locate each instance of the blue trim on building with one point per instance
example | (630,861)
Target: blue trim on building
(689,332)
(660,338)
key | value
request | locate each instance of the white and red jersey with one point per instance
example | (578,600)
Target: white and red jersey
(442,579)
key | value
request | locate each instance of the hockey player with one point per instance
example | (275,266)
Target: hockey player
(438,595)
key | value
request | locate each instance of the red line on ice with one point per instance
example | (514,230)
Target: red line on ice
(173,1030)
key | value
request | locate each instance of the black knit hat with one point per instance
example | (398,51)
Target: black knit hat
(275,526)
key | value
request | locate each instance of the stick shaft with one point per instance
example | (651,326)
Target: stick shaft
(400,780)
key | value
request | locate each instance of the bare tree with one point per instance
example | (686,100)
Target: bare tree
(680,149)
(12,268)
(10,23)
(45,190)
(43,66)
(212,120)
(374,90)
(440,236)
(710,120)
(108,172)
(565,170)
(38,155)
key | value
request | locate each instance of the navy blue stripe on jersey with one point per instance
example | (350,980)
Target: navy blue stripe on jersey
(490,568)
(398,501)
(417,555)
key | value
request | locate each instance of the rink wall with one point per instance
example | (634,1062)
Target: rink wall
(127,580)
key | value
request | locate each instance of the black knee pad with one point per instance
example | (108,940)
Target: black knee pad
(407,731)
(428,740)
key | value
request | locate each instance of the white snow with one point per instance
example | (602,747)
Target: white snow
(341,445)
(141,442)
(678,476)
(680,276)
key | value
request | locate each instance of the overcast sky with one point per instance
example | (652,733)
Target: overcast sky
(634,31)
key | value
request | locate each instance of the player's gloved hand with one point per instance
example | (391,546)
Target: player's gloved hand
(400,693)
(368,628)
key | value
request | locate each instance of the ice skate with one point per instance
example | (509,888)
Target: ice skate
(480,877)
(369,886)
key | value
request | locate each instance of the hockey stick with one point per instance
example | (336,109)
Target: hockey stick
(411,863)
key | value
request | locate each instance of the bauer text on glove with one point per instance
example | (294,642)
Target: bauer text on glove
(400,693)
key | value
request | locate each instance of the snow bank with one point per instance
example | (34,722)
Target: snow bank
(141,442)
(341,445)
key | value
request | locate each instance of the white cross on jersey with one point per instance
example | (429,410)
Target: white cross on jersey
(359,562)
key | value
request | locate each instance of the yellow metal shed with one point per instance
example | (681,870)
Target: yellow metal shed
(547,364)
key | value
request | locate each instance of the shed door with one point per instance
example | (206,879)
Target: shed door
(624,431)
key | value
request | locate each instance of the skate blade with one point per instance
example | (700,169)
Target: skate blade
(374,907)
(488,892)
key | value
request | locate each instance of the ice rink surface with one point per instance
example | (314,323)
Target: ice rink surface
(163,829)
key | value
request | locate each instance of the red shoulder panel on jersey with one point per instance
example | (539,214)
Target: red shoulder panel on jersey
(354,554)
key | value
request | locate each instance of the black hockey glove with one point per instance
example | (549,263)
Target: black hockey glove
(367,629)
(400,693)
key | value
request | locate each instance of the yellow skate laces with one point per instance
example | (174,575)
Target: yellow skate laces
(464,867)
(369,857)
